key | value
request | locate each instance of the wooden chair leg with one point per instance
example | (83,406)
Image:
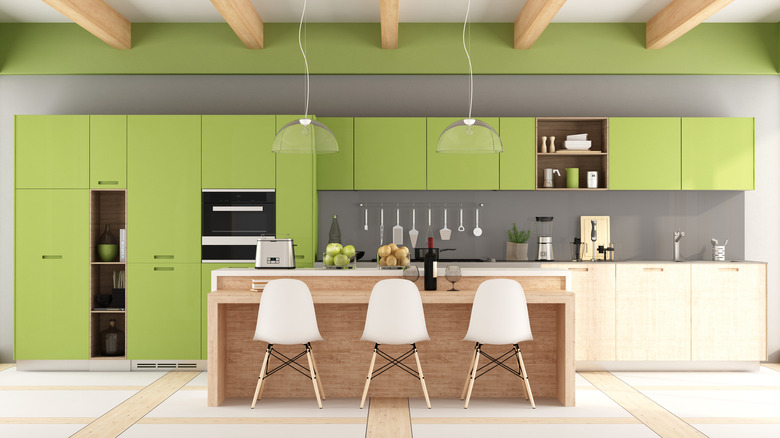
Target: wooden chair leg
(473,377)
(422,377)
(313,377)
(368,378)
(468,376)
(520,370)
(525,379)
(317,372)
(262,376)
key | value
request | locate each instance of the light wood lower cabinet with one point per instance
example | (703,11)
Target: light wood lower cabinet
(653,311)
(728,312)
(593,285)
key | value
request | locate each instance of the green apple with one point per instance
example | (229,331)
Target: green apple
(341,260)
(348,251)
(333,249)
(328,260)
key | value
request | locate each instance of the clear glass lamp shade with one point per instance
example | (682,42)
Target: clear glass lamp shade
(469,136)
(305,136)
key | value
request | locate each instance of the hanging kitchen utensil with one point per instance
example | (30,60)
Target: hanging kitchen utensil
(445,232)
(461,228)
(477,229)
(381,226)
(413,233)
(398,230)
(365,217)
(429,233)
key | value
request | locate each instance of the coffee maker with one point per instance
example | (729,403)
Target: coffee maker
(543,230)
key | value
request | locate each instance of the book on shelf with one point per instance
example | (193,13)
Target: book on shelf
(122,244)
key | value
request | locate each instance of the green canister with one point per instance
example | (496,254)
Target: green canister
(572,177)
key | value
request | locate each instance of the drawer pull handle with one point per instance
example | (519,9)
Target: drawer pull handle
(728,269)
(163,257)
(654,269)
(108,183)
(163,268)
(579,269)
(51,257)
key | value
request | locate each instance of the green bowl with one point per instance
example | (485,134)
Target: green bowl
(107,252)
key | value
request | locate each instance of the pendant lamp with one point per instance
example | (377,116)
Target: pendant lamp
(305,136)
(469,135)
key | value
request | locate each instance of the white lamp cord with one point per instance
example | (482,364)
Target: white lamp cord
(300,46)
(471,73)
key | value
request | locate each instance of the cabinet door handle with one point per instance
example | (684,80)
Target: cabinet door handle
(728,269)
(236,208)
(579,269)
(163,268)
(108,183)
(163,257)
(654,269)
(51,257)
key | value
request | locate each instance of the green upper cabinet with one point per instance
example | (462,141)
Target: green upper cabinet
(517,163)
(205,272)
(645,153)
(335,171)
(459,171)
(51,274)
(163,196)
(390,153)
(108,152)
(296,201)
(718,153)
(237,152)
(163,313)
(52,152)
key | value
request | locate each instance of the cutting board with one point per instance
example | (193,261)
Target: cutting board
(602,234)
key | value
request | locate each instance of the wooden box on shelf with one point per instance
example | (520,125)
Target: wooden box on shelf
(593,159)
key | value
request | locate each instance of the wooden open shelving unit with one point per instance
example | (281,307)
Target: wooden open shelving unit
(107,207)
(594,159)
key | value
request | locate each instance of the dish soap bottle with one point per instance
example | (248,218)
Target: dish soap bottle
(334,236)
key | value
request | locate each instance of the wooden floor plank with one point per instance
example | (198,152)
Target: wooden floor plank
(117,420)
(661,421)
(5,366)
(772,366)
(252,420)
(389,417)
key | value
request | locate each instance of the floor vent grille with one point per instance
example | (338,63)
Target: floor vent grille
(146,365)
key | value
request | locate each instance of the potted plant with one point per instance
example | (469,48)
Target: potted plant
(517,247)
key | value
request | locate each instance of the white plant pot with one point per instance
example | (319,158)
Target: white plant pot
(516,251)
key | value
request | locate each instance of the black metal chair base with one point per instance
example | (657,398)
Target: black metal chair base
(309,372)
(475,371)
(395,362)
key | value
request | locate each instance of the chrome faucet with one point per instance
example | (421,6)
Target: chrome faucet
(677,236)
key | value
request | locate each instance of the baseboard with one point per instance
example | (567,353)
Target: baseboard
(111,365)
(169,365)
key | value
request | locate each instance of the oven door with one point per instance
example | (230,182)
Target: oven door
(238,214)
(228,249)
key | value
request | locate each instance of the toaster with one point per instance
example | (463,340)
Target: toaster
(273,253)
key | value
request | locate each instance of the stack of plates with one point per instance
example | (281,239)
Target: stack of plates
(577,142)
(258,285)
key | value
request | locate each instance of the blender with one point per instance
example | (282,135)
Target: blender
(543,231)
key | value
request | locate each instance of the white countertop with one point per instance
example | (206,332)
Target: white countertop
(371,272)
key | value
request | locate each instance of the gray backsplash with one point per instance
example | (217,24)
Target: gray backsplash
(642,222)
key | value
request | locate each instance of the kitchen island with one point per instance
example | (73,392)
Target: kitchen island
(341,299)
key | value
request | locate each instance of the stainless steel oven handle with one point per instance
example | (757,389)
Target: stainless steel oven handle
(221,208)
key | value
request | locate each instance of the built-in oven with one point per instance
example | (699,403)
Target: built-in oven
(232,222)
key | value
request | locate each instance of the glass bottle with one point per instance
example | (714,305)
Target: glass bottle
(429,267)
(334,236)
(112,340)
(107,247)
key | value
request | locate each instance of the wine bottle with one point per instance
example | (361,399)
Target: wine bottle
(430,267)
(334,236)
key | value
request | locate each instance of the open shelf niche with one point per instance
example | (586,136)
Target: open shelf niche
(594,159)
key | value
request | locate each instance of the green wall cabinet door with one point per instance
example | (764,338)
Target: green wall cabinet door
(52,152)
(645,153)
(296,201)
(390,153)
(163,311)
(459,171)
(517,163)
(163,195)
(237,152)
(718,153)
(205,271)
(336,171)
(108,152)
(51,271)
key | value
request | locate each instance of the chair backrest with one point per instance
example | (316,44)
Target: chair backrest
(286,314)
(395,314)
(499,314)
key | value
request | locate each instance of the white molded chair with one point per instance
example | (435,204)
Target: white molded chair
(499,316)
(286,316)
(395,316)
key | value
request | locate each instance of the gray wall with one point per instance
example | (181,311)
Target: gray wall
(700,215)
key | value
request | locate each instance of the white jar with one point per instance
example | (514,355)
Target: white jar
(593,180)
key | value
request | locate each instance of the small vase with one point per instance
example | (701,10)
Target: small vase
(544,144)
(552,145)
(107,247)
(516,251)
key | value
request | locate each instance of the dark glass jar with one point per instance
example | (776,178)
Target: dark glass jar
(112,340)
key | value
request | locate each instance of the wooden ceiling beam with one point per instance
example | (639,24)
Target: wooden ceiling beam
(242,17)
(98,18)
(677,18)
(389,22)
(533,20)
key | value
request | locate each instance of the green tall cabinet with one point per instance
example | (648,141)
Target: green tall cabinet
(237,152)
(645,153)
(52,152)
(459,171)
(517,164)
(718,153)
(390,153)
(336,171)
(296,200)
(107,151)
(51,273)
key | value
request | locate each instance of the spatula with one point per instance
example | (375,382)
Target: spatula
(398,230)
(413,233)
(445,232)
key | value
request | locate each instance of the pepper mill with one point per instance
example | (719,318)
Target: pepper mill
(552,145)
(544,144)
